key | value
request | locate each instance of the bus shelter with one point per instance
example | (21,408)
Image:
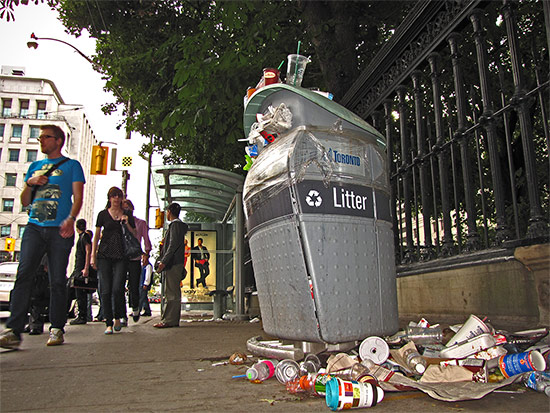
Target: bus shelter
(211,203)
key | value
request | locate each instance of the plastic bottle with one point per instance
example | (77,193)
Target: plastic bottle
(422,335)
(287,370)
(262,370)
(311,364)
(537,380)
(415,362)
(315,383)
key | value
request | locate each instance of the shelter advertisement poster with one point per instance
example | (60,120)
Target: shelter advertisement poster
(193,290)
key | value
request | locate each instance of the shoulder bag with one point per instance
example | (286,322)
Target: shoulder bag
(48,173)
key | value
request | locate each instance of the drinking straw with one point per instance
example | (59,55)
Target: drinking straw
(296,69)
(279,68)
(239,376)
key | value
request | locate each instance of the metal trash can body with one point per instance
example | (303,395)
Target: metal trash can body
(319,226)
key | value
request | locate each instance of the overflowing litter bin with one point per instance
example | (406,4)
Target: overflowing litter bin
(318,217)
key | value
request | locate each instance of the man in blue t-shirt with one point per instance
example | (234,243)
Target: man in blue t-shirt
(54,191)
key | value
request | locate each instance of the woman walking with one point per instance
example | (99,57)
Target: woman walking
(108,258)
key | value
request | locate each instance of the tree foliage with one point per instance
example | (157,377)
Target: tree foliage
(181,68)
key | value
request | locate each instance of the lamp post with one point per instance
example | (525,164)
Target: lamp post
(33,44)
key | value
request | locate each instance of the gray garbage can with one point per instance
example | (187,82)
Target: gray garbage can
(318,218)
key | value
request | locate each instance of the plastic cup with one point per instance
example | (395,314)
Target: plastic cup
(295,69)
(518,363)
(473,327)
(375,349)
(344,395)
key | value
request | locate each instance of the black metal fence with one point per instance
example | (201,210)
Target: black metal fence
(461,92)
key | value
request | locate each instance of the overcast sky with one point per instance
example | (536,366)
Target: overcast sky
(77,83)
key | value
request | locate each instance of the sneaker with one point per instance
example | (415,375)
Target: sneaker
(77,321)
(135,316)
(8,339)
(56,337)
(123,323)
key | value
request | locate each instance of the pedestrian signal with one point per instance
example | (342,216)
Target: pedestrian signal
(159,218)
(10,244)
(99,160)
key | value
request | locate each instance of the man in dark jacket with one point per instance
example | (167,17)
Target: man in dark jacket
(201,257)
(172,264)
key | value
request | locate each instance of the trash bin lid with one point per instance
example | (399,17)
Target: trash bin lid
(256,100)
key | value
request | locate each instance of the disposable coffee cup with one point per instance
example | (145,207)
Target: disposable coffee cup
(295,69)
(271,76)
(344,395)
(473,327)
(518,363)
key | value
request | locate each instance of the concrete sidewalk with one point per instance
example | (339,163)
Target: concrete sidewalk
(144,369)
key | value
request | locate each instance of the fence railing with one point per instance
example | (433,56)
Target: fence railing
(461,93)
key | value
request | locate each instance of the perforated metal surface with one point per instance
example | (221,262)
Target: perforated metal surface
(281,279)
(352,276)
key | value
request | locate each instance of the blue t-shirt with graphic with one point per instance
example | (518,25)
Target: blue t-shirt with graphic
(53,201)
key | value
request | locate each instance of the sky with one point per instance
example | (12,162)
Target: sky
(77,83)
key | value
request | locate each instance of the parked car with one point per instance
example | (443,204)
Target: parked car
(8,272)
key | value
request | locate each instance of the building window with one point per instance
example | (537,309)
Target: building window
(6,107)
(16,131)
(20,230)
(25,210)
(2,129)
(41,109)
(7,204)
(31,155)
(24,108)
(11,179)
(5,231)
(34,133)
(14,155)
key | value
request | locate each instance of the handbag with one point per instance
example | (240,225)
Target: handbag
(78,281)
(132,247)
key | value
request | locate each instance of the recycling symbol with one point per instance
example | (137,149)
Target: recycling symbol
(313,199)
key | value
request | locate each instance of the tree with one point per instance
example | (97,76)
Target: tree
(181,68)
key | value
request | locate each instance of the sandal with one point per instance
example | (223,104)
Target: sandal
(109,330)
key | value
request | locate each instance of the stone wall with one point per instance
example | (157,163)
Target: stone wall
(514,291)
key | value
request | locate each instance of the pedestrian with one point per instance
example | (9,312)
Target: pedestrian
(146,283)
(134,265)
(82,268)
(109,260)
(54,189)
(171,262)
(201,256)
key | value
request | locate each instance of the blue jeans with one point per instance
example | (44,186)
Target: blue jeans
(112,279)
(36,242)
(144,300)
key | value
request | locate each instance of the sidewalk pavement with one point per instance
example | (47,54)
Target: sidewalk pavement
(144,369)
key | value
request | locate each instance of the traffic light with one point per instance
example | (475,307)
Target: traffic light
(10,244)
(99,160)
(159,218)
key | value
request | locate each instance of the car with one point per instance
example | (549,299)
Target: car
(8,272)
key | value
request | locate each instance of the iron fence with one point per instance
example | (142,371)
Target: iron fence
(461,92)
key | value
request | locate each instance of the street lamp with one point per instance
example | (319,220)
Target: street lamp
(34,45)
